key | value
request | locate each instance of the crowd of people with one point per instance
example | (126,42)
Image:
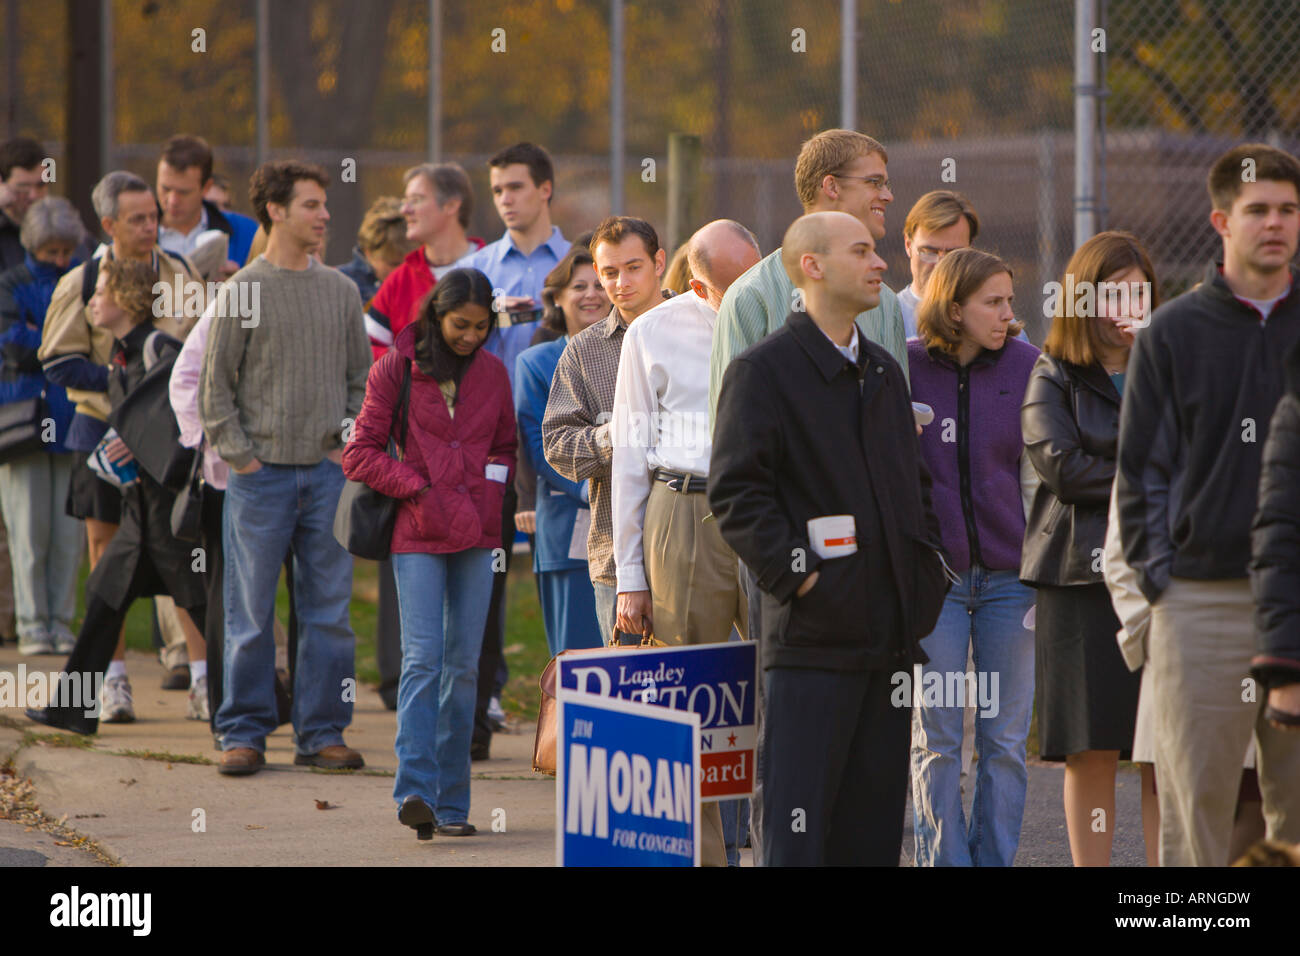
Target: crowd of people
(927,523)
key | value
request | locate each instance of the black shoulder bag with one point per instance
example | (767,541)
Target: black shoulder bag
(363,523)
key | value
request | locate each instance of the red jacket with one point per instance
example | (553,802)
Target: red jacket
(393,307)
(460,507)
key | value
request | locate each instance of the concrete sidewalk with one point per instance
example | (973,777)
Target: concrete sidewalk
(148,793)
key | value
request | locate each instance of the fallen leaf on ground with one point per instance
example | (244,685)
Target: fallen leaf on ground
(253,826)
(326,805)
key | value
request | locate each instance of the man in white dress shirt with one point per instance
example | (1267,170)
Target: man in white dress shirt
(677,578)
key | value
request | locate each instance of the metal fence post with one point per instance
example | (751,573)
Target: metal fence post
(1085,122)
(616,108)
(683,188)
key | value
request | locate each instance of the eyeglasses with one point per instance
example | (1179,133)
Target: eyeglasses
(931,255)
(879,183)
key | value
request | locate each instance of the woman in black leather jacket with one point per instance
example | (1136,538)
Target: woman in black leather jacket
(1088,698)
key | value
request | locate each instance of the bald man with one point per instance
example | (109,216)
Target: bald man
(817,483)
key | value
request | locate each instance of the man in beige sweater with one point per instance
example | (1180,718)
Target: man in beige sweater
(284,372)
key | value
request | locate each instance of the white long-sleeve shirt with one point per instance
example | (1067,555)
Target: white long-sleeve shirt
(661,416)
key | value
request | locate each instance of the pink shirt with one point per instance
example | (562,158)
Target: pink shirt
(184,390)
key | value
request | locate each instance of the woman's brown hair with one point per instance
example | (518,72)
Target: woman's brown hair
(957,277)
(558,279)
(1074,338)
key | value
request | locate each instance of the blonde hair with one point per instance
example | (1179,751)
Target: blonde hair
(826,154)
(131,283)
(957,277)
(383,230)
(678,275)
(939,209)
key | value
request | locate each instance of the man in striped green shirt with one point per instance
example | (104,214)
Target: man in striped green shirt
(838,169)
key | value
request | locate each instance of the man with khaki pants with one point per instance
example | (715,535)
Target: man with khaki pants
(678,580)
(1200,388)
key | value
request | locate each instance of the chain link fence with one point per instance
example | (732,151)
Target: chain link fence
(1188,80)
(975,96)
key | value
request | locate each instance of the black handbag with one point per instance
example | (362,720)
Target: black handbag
(20,428)
(187,509)
(363,523)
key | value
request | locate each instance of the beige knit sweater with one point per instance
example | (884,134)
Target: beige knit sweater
(279,385)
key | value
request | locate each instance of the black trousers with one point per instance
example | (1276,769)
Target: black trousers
(97,638)
(835,772)
(214,628)
(489,659)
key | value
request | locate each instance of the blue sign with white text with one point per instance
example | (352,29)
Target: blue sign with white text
(716,681)
(627,791)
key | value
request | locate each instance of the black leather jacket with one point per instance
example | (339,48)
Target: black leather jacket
(1070,424)
(1275,553)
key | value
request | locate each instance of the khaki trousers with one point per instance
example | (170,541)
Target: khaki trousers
(691,572)
(696,599)
(174,652)
(1206,708)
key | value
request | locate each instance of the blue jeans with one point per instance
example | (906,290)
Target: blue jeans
(987,610)
(266,513)
(443,600)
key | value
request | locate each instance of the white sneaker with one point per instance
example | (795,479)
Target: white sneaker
(64,640)
(38,642)
(198,703)
(116,700)
(496,714)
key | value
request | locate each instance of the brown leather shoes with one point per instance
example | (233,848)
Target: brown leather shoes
(240,762)
(338,757)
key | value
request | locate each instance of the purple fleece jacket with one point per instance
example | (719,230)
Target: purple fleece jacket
(997,387)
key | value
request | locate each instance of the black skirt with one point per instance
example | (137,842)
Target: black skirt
(89,496)
(1087,696)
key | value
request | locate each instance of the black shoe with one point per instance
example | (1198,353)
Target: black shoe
(178,678)
(457,829)
(480,751)
(415,813)
(61,719)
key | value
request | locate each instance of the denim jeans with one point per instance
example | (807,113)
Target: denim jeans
(443,601)
(987,611)
(44,542)
(266,513)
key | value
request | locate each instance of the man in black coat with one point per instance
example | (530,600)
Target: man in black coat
(817,483)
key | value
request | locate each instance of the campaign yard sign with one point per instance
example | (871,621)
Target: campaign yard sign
(627,791)
(716,681)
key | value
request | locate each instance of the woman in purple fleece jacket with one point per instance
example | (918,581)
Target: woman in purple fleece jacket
(968,366)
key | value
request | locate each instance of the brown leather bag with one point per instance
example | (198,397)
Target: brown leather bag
(544,742)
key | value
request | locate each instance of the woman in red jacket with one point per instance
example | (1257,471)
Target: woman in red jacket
(456,460)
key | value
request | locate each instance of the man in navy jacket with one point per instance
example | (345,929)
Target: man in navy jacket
(817,483)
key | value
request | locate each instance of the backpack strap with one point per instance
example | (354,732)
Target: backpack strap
(89,276)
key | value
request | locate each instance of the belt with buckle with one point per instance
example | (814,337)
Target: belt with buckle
(686,484)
